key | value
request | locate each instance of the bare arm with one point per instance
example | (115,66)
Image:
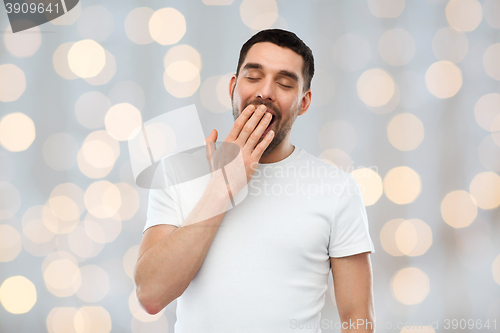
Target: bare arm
(353,284)
(170,257)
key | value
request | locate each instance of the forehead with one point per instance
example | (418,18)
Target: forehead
(275,58)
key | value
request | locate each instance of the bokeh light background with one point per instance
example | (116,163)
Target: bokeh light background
(406,97)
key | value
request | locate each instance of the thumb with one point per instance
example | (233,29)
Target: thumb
(210,145)
(212,137)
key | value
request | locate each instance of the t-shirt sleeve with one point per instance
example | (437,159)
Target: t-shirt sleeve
(349,233)
(163,207)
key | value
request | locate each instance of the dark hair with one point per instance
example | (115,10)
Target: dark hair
(286,39)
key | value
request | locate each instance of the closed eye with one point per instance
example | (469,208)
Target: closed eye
(252,78)
(284,85)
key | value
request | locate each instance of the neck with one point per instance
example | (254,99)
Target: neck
(279,153)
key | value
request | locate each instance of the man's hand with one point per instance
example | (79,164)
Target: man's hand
(245,133)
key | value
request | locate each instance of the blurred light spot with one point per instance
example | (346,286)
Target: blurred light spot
(95,155)
(489,154)
(218,2)
(127,92)
(464,15)
(405,131)
(130,259)
(397,47)
(10,200)
(130,201)
(98,154)
(92,319)
(208,94)
(183,52)
(10,243)
(338,134)
(42,244)
(370,184)
(86,58)
(388,237)
(34,227)
(137,25)
(24,43)
(459,209)
(450,44)
(61,320)
(66,201)
(485,188)
(103,230)
(55,224)
(375,87)
(351,52)
(157,326)
(90,109)
(17,131)
(223,91)
(59,151)
(486,110)
(167,26)
(402,185)
(95,284)
(181,89)
(102,199)
(389,106)
(491,12)
(258,14)
(62,277)
(80,243)
(95,22)
(323,87)
(413,237)
(121,119)
(443,79)
(139,313)
(70,17)
(490,61)
(12,82)
(7,167)
(338,158)
(495,268)
(18,294)
(60,61)
(410,285)
(64,208)
(106,74)
(89,170)
(386,8)
(182,71)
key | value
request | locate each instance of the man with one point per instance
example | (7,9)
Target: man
(263,265)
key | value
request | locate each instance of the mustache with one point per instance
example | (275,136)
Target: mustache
(268,104)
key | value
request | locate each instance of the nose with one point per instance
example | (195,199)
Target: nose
(266,90)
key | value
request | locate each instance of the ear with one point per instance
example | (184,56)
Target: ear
(232,84)
(306,101)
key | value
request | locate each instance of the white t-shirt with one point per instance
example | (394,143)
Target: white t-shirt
(267,267)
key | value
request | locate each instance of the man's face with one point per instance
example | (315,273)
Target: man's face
(271,75)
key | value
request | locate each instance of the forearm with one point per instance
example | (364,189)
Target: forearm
(166,269)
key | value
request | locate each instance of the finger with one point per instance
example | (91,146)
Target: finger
(240,122)
(210,141)
(261,147)
(250,125)
(257,133)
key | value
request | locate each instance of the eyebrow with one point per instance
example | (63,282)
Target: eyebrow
(253,65)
